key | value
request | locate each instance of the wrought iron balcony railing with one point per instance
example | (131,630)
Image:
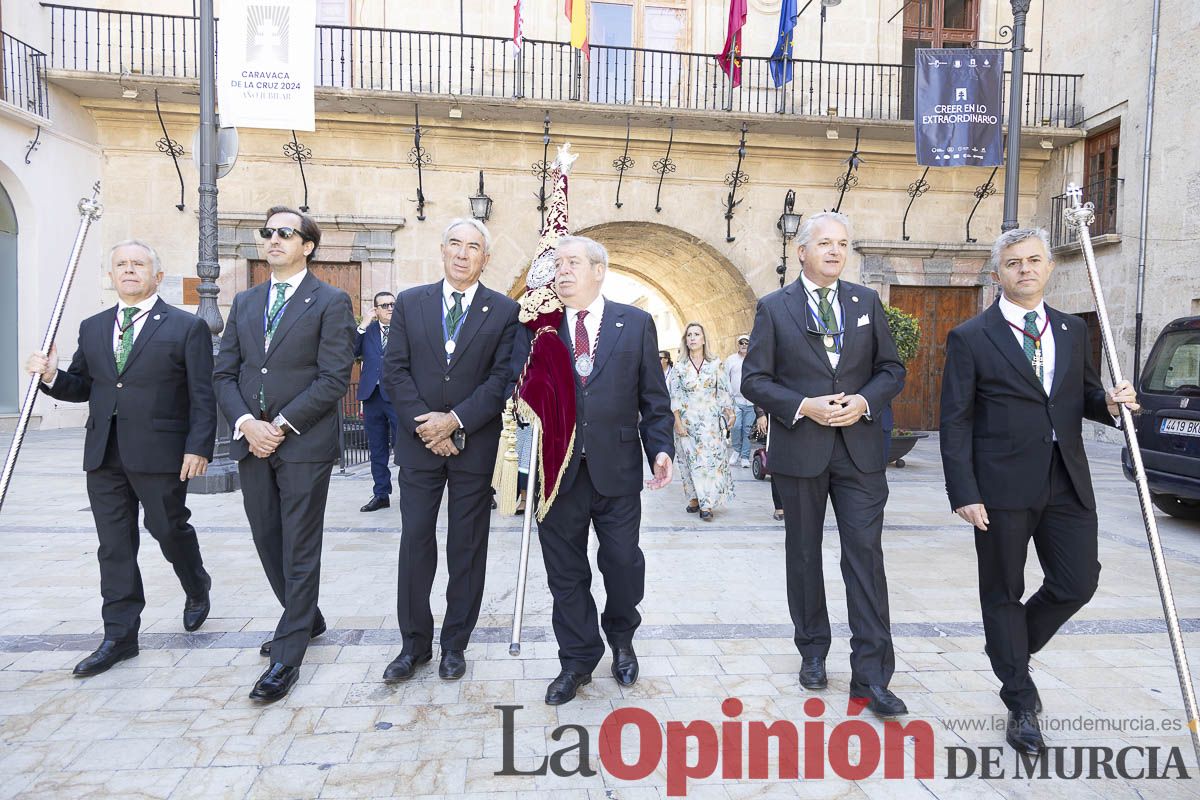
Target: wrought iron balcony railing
(422,62)
(23,77)
(1105,195)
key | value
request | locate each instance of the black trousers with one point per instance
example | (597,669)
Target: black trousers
(114,494)
(564,538)
(285,504)
(469,520)
(858,501)
(1064,533)
(379,421)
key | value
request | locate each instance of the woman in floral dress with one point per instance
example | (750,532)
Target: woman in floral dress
(701,400)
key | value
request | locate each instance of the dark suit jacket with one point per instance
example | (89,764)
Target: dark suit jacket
(418,379)
(305,373)
(786,364)
(625,400)
(369,347)
(163,401)
(997,422)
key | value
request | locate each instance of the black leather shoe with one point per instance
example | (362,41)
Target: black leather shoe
(195,609)
(625,665)
(105,656)
(812,673)
(879,699)
(264,649)
(563,688)
(453,665)
(403,666)
(377,502)
(706,515)
(275,683)
(1023,732)
(692,508)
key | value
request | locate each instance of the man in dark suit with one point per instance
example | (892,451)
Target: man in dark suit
(621,409)
(1018,383)
(379,415)
(283,367)
(822,363)
(445,371)
(145,370)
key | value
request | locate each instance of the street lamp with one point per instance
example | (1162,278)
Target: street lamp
(789,225)
(1012,160)
(481,204)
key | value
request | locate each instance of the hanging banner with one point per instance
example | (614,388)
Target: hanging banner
(959,108)
(265,64)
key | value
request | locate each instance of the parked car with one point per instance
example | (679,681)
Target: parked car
(1168,429)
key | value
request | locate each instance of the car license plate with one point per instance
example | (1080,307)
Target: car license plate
(1181,427)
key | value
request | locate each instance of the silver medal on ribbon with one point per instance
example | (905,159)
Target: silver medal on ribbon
(583,364)
(449,347)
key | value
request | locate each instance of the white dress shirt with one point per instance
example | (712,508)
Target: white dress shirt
(591,324)
(810,289)
(1015,316)
(448,301)
(288,293)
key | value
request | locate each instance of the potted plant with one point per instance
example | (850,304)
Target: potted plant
(906,331)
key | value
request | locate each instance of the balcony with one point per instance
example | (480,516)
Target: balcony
(1105,196)
(23,78)
(408,63)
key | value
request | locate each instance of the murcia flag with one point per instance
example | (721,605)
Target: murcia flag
(731,54)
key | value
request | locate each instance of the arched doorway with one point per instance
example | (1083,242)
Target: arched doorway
(10,367)
(694,279)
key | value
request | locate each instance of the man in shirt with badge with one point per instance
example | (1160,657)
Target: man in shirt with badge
(1018,383)
(622,412)
(445,372)
(822,363)
(283,367)
(145,370)
(379,416)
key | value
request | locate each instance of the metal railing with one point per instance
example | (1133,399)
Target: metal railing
(352,432)
(23,77)
(1104,194)
(424,62)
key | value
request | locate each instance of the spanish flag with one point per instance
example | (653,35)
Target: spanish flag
(577,13)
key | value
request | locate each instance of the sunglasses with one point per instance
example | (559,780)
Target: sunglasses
(284,233)
(386,306)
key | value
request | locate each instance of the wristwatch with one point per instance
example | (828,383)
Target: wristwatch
(282,424)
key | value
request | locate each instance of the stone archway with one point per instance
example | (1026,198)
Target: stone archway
(697,281)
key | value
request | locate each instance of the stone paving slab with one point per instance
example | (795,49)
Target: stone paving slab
(175,722)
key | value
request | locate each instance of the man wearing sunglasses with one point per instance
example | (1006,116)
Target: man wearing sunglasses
(379,416)
(445,371)
(283,367)
(821,362)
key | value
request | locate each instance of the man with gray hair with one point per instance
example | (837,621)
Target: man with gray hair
(445,372)
(622,410)
(145,369)
(822,363)
(1018,383)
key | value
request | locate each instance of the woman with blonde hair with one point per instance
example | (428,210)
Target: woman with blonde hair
(704,414)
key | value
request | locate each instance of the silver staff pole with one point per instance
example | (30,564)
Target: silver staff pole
(1079,215)
(89,212)
(531,496)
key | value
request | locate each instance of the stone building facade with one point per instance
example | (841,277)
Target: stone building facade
(667,232)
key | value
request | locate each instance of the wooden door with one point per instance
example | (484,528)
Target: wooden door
(344,275)
(939,309)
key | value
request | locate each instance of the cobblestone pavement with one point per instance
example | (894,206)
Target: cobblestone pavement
(176,722)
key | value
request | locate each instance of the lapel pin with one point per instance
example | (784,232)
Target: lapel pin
(485,308)
(158,316)
(854,298)
(308,299)
(1064,326)
(620,324)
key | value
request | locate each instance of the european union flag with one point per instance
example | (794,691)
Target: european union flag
(781,59)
